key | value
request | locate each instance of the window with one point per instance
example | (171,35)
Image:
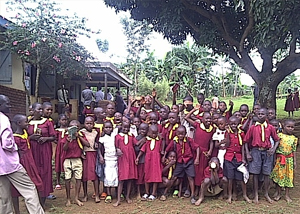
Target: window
(5,67)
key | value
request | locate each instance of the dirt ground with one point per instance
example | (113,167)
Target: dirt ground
(180,205)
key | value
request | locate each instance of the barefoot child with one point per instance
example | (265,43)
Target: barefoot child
(185,148)
(213,177)
(89,162)
(127,169)
(283,172)
(59,152)
(234,157)
(110,160)
(20,124)
(260,159)
(141,138)
(73,163)
(153,171)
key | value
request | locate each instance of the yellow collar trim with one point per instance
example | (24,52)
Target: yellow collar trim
(24,136)
(35,123)
(262,126)
(202,126)
(153,141)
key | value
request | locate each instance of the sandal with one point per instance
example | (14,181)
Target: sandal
(145,197)
(51,197)
(163,198)
(58,187)
(187,194)
(175,193)
(103,196)
(193,200)
(108,199)
(151,198)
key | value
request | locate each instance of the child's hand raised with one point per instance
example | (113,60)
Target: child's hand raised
(230,103)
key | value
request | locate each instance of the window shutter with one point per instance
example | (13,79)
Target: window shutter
(5,67)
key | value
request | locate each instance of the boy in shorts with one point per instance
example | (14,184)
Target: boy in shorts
(184,148)
(73,163)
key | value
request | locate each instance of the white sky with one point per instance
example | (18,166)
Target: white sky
(104,18)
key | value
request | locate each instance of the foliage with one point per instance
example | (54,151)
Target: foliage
(162,88)
(145,85)
(103,45)
(234,28)
(41,35)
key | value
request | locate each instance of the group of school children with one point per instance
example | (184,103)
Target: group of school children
(182,151)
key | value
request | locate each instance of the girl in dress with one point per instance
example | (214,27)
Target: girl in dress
(41,135)
(20,125)
(110,159)
(283,172)
(127,170)
(289,103)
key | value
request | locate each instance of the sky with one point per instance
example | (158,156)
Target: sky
(104,18)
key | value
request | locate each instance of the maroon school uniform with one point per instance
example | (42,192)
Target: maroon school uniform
(126,163)
(202,139)
(26,159)
(153,170)
(88,112)
(227,114)
(254,135)
(74,148)
(169,132)
(234,150)
(59,152)
(207,173)
(42,153)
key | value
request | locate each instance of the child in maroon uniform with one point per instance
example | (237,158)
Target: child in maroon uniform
(100,116)
(72,163)
(20,125)
(203,138)
(59,152)
(184,148)
(223,108)
(244,110)
(88,111)
(153,171)
(127,169)
(213,175)
(169,130)
(153,119)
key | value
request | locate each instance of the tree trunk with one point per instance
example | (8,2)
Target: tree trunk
(267,91)
(37,80)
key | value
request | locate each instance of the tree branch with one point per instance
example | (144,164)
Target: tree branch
(287,66)
(248,28)
(190,23)
(293,44)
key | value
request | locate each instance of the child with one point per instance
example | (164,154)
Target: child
(153,171)
(223,108)
(20,124)
(89,162)
(169,130)
(110,112)
(244,110)
(234,157)
(127,169)
(163,114)
(213,176)
(218,138)
(117,119)
(100,116)
(289,103)
(73,163)
(168,179)
(283,172)
(215,117)
(59,152)
(110,160)
(215,102)
(184,148)
(141,138)
(88,110)
(153,119)
(260,158)
(203,138)
(30,113)
(134,127)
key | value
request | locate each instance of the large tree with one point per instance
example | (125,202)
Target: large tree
(41,34)
(232,27)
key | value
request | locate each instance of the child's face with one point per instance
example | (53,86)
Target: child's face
(153,118)
(262,115)
(89,124)
(143,114)
(63,121)
(244,111)
(256,108)
(221,123)
(289,127)
(131,114)
(200,99)
(233,124)
(148,100)
(172,156)
(92,104)
(23,123)
(108,128)
(153,133)
(38,111)
(275,124)
(118,117)
(125,120)
(215,118)
(206,120)
(143,130)
(136,121)
(100,114)
(163,113)
(173,118)
(238,115)
(110,110)
(181,134)
(175,109)
(271,114)
(206,106)
(47,111)
(30,110)
(222,107)
(125,128)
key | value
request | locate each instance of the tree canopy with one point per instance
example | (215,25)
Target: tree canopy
(234,28)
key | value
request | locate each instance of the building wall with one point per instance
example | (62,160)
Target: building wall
(17,100)
(17,73)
